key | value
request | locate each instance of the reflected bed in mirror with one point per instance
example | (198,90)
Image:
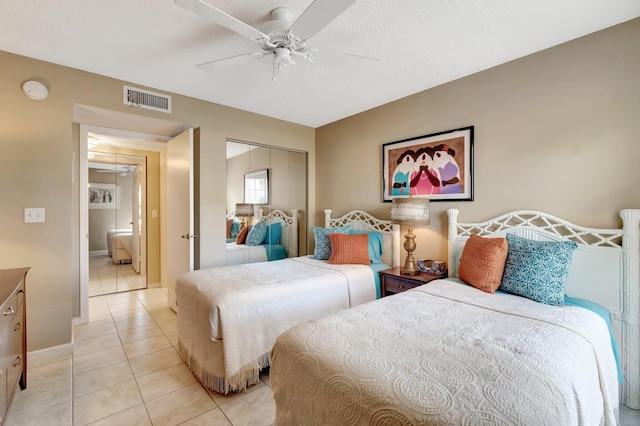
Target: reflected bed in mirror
(272,237)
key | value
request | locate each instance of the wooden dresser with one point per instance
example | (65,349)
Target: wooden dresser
(13,335)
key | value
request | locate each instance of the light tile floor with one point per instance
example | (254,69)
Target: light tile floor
(125,370)
(106,277)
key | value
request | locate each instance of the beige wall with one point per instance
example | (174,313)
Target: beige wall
(39,146)
(557,131)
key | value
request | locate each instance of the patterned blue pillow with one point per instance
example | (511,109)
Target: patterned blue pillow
(257,233)
(537,269)
(323,243)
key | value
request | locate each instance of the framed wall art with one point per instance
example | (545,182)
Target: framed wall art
(104,196)
(438,166)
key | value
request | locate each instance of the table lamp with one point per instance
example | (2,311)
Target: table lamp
(242,210)
(410,211)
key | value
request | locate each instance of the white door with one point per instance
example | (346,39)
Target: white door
(139,225)
(178,226)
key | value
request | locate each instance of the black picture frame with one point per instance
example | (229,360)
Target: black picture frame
(438,166)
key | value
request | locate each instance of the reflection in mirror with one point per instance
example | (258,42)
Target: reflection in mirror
(117,192)
(265,184)
(256,187)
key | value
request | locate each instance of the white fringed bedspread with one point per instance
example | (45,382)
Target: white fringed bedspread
(446,353)
(238,254)
(246,307)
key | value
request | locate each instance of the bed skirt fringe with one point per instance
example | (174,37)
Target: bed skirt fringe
(245,377)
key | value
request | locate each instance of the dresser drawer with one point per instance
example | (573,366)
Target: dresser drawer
(9,309)
(15,354)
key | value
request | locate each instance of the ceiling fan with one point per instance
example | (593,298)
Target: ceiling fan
(120,169)
(282,38)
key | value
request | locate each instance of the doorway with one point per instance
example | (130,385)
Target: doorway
(126,149)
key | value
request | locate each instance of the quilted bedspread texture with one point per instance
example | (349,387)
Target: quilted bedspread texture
(446,353)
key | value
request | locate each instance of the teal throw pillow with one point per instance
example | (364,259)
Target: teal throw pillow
(274,231)
(257,233)
(235,228)
(537,270)
(375,245)
(323,243)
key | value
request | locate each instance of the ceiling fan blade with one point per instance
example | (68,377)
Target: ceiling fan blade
(317,16)
(232,61)
(204,8)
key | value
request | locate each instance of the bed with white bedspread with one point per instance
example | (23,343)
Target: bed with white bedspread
(229,317)
(119,244)
(448,353)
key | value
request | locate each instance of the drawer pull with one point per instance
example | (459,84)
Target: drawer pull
(9,311)
(401,286)
(17,327)
(17,361)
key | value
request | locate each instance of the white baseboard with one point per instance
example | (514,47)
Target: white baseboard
(49,355)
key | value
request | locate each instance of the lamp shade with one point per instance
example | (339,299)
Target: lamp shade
(410,211)
(244,209)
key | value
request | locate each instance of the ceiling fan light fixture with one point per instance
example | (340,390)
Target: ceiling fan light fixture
(283,57)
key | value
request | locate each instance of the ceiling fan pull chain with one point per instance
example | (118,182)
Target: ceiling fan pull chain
(273,75)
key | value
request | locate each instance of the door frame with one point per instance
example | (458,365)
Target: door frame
(137,140)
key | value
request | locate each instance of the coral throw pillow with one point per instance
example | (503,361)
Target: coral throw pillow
(482,262)
(242,236)
(229,224)
(349,249)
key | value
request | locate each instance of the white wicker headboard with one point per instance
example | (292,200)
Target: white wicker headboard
(363,221)
(605,269)
(289,236)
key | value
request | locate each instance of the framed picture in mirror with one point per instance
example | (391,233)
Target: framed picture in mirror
(104,196)
(256,187)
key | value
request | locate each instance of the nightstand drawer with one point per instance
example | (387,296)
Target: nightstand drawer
(396,285)
(393,281)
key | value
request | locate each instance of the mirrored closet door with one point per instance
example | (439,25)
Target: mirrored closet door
(260,180)
(117,224)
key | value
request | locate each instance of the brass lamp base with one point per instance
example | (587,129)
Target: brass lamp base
(410,267)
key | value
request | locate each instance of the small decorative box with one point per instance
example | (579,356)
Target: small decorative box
(433,266)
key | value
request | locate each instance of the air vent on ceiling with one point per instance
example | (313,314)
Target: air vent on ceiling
(146,99)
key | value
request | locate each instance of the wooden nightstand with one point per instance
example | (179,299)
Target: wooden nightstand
(392,281)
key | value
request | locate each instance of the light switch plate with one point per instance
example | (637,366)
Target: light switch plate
(32,215)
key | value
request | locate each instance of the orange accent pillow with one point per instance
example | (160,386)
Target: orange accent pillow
(229,223)
(349,249)
(482,262)
(242,236)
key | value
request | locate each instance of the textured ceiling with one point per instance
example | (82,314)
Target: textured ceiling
(419,43)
